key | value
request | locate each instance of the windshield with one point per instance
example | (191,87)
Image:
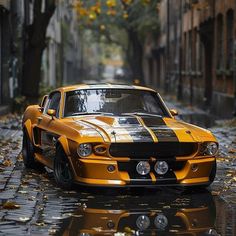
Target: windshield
(113,102)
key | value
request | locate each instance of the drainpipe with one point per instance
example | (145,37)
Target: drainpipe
(191,59)
(167,49)
(180,86)
(234,60)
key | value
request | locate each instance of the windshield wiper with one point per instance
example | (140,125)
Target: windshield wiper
(90,113)
(141,114)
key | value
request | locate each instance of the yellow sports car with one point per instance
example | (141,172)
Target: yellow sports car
(116,135)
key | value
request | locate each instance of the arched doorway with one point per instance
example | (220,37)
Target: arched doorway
(207,37)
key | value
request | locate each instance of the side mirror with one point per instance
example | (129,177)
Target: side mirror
(174,112)
(51,112)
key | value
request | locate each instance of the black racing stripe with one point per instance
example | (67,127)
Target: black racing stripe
(164,135)
(160,129)
(140,134)
(137,132)
(153,121)
(125,120)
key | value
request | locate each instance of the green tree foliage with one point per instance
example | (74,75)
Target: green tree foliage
(125,22)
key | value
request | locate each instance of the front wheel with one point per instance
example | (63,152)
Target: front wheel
(62,170)
(213,173)
(28,152)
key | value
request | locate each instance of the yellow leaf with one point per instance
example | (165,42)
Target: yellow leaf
(111,3)
(10,205)
(7,163)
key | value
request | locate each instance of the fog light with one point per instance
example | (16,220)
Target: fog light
(194,167)
(161,221)
(143,222)
(143,168)
(161,167)
(111,168)
(110,225)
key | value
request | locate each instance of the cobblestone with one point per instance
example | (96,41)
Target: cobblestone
(45,209)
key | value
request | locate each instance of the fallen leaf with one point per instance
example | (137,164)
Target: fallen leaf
(129,230)
(215,193)
(24,219)
(7,163)
(10,205)
(232,151)
(40,224)
(52,231)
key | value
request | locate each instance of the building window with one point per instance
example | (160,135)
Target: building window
(220,48)
(229,52)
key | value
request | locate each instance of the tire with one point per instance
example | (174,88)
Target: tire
(62,170)
(28,153)
(213,173)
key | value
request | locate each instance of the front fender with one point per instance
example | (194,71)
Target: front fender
(64,143)
(28,127)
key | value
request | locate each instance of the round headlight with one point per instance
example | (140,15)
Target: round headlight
(161,221)
(143,222)
(84,149)
(211,149)
(161,167)
(143,167)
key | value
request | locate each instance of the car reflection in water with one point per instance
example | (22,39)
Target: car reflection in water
(152,213)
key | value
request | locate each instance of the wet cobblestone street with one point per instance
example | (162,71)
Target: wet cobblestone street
(31,204)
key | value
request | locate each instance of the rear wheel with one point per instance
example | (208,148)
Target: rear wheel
(62,170)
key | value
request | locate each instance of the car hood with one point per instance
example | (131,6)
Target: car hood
(145,128)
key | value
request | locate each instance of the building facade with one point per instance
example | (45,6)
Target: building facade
(195,54)
(61,57)
(11,48)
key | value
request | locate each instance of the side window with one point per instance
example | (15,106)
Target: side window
(44,100)
(54,103)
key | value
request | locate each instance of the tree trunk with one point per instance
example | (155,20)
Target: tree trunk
(35,44)
(135,56)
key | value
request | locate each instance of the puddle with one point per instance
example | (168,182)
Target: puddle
(150,213)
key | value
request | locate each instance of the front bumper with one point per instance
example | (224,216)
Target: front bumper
(95,172)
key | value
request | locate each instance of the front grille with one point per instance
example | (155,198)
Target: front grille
(145,150)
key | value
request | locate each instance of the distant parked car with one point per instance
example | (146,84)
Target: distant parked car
(116,135)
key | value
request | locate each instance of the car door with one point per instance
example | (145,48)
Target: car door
(46,129)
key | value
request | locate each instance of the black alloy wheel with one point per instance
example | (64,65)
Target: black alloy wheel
(62,170)
(213,173)
(28,153)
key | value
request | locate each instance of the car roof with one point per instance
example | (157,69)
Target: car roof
(102,86)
